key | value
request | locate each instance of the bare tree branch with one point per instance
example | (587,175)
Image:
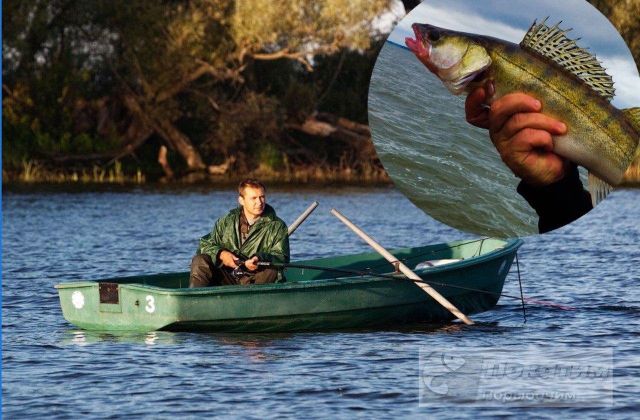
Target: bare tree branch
(204,68)
(284,54)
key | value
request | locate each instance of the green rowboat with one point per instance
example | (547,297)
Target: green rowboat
(470,274)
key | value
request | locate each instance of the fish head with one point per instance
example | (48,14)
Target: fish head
(457,59)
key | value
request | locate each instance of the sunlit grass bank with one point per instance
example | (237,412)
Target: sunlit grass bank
(32,172)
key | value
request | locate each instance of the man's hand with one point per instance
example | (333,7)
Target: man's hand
(228,259)
(252,263)
(475,108)
(521,134)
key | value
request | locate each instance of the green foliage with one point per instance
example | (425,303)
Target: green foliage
(345,82)
(18,142)
(321,26)
(227,75)
(242,128)
(270,156)
(299,100)
(625,16)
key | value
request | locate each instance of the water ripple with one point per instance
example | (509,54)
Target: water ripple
(53,370)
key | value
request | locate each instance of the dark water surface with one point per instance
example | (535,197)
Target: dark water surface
(435,157)
(51,369)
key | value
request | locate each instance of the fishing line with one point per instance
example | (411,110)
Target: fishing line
(432,251)
(524,311)
(396,277)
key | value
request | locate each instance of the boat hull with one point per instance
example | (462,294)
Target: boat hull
(305,302)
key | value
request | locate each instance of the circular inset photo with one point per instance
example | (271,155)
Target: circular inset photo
(505,117)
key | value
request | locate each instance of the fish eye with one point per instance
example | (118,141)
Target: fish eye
(434,36)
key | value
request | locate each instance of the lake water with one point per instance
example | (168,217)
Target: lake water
(435,157)
(53,370)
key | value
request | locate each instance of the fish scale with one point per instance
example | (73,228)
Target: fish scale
(596,128)
(567,79)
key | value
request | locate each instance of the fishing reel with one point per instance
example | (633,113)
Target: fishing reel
(240,271)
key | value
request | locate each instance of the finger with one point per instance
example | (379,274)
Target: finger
(537,145)
(529,139)
(531,157)
(532,120)
(475,109)
(513,103)
(481,120)
(475,100)
(545,167)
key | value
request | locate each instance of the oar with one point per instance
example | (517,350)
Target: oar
(404,269)
(366,273)
(302,217)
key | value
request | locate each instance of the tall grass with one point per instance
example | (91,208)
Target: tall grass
(34,172)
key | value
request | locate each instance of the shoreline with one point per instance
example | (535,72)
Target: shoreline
(208,183)
(311,177)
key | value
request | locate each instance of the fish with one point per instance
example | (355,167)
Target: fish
(567,79)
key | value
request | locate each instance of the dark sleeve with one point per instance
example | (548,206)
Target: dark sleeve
(559,203)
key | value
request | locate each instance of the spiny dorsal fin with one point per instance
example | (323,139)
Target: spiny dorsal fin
(633,115)
(554,44)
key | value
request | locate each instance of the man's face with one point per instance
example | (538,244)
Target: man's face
(253,201)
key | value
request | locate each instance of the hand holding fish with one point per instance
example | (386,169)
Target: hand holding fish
(521,133)
(476,109)
(568,79)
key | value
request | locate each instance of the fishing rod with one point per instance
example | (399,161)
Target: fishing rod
(241,269)
(284,266)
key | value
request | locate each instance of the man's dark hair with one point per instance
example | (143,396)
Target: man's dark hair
(250,182)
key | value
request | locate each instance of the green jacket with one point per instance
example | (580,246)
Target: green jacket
(268,238)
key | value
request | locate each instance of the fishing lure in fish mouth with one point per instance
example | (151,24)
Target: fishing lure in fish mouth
(569,81)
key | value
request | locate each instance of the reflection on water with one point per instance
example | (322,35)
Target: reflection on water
(84,338)
(445,166)
(53,369)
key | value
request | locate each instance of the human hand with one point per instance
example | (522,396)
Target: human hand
(228,259)
(475,107)
(252,263)
(521,134)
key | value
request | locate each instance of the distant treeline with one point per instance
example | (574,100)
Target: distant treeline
(625,16)
(109,90)
(189,87)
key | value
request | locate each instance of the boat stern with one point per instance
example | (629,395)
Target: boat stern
(114,307)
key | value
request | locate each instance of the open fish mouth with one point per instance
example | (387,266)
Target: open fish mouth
(419,46)
(459,85)
(455,61)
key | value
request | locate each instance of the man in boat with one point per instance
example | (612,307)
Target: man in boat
(550,184)
(247,235)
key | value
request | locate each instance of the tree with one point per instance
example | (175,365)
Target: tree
(160,68)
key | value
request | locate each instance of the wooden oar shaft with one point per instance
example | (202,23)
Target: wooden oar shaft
(404,269)
(302,217)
